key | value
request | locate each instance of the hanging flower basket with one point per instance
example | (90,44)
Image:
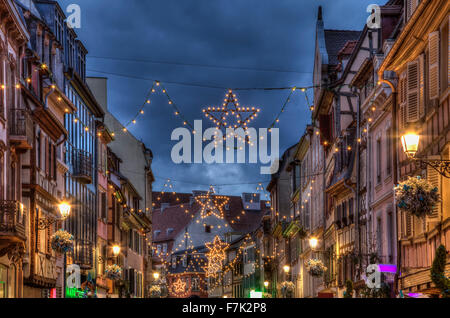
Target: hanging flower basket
(315,267)
(155,291)
(417,196)
(287,289)
(62,241)
(113,272)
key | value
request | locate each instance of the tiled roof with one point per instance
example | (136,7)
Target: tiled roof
(178,216)
(335,40)
(348,48)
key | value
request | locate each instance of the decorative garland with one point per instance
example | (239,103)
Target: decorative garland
(315,267)
(113,272)
(417,196)
(62,241)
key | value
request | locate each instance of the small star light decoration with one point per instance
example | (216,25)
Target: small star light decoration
(212,204)
(231,114)
(179,286)
(216,255)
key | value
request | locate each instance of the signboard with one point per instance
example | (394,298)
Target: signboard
(255,294)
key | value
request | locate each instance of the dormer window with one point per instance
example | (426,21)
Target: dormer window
(156,234)
(169,231)
(164,206)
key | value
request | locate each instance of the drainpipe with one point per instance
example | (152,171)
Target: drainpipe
(356,191)
(394,139)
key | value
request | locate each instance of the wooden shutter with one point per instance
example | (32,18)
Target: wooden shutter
(408,224)
(402,100)
(412,95)
(421,85)
(433,65)
(435,179)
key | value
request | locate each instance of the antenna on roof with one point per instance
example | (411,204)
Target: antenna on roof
(319,17)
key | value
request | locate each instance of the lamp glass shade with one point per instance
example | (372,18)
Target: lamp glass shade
(410,143)
(313,242)
(286,268)
(64,209)
(155,275)
(116,250)
(266,283)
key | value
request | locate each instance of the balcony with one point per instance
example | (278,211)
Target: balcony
(82,166)
(20,129)
(12,223)
(83,254)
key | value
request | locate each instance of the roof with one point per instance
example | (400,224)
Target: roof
(335,40)
(178,214)
(348,48)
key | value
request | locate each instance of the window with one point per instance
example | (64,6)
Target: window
(379,238)
(164,248)
(388,152)
(195,282)
(390,228)
(3,281)
(378,154)
(169,231)
(207,228)
(103,205)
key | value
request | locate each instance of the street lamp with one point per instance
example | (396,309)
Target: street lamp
(410,143)
(116,250)
(64,210)
(156,275)
(286,268)
(266,284)
(313,242)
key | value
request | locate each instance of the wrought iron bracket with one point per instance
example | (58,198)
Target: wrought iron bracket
(45,223)
(441,166)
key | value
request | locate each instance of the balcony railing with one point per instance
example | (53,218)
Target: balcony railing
(12,219)
(20,128)
(82,166)
(83,254)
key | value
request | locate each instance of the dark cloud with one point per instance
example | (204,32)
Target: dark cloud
(264,34)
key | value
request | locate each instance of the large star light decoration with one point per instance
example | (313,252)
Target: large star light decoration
(223,116)
(216,256)
(211,204)
(179,286)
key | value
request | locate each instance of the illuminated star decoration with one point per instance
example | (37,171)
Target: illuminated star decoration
(216,256)
(179,286)
(211,204)
(230,107)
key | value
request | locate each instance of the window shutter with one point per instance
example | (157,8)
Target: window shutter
(448,53)
(402,98)
(421,85)
(409,224)
(435,179)
(412,109)
(433,64)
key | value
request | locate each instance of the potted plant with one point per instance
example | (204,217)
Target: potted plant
(315,267)
(417,196)
(155,291)
(62,241)
(287,289)
(113,272)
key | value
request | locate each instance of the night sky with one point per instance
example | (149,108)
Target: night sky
(250,43)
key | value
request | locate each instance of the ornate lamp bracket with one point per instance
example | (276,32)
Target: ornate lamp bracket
(441,166)
(45,223)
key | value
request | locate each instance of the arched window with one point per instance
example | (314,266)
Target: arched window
(3,281)
(12,281)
